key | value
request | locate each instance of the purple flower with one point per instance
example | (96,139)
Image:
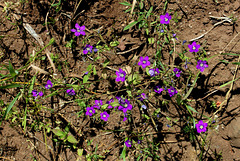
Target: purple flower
(158,89)
(177,72)
(124,106)
(125,117)
(79,30)
(70,92)
(142,96)
(144,107)
(186,63)
(98,104)
(201,127)
(120,100)
(109,102)
(139,141)
(35,93)
(165,19)
(151,72)
(48,85)
(104,116)
(193,47)
(95,50)
(120,75)
(157,71)
(174,36)
(172,91)
(201,64)
(90,111)
(128,143)
(144,62)
(87,49)
(184,41)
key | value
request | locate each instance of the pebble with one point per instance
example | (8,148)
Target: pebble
(233,132)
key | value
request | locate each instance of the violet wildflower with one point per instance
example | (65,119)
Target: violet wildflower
(158,89)
(120,75)
(120,100)
(104,116)
(125,117)
(109,103)
(151,72)
(201,64)
(139,141)
(79,30)
(95,50)
(184,41)
(142,96)
(157,71)
(70,92)
(35,93)
(172,91)
(186,63)
(201,127)
(165,19)
(90,111)
(144,62)
(174,36)
(144,107)
(124,106)
(128,143)
(193,47)
(87,49)
(177,72)
(48,85)
(98,104)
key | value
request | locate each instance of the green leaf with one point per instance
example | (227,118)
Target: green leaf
(80,152)
(106,62)
(115,103)
(114,43)
(130,25)
(12,71)
(71,139)
(10,107)
(230,54)
(104,106)
(228,82)
(151,40)
(190,108)
(85,78)
(123,155)
(149,12)
(125,3)
(32,84)
(11,86)
(89,67)
(58,132)
(53,94)
(94,70)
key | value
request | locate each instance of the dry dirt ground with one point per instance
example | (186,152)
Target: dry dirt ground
(108,16)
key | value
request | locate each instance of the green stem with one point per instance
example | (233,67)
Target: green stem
(191,88)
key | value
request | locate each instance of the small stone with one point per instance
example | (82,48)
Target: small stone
(233,132)
(236,5)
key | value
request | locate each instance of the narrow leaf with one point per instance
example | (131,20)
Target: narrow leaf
(130,25)
(11,86)
(71,139)
(10,107)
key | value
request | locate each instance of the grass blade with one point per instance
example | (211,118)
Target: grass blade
(10,107)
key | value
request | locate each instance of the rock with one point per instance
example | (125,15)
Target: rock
(233,132)
(236,5)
